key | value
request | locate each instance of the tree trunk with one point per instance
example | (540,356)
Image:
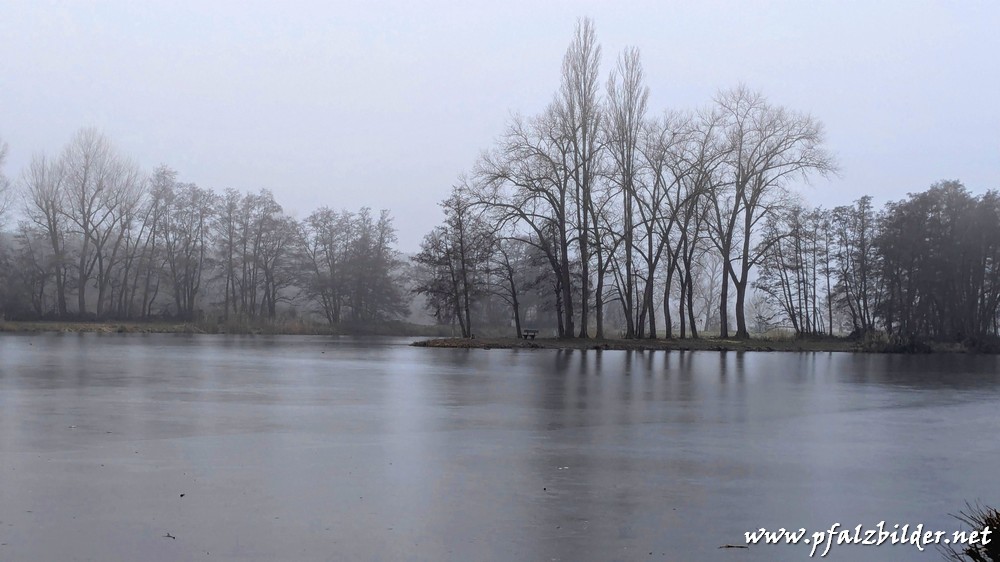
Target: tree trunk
(690,299)
(599,294)
(585,282)
(741,321)
(81,291)
(724,308)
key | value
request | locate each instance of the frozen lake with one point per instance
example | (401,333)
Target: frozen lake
(314,448)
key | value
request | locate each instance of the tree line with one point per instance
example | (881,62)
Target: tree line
(99,238)
(605,214)
(625,206)
(927,267)
(596,217)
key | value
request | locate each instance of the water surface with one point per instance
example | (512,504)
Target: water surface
(314,448)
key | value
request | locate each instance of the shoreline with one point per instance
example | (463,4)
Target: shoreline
(160,327)
(701,344)
(69,327)
(431,338)
(841,345)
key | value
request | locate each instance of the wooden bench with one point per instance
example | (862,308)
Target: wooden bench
(528,334)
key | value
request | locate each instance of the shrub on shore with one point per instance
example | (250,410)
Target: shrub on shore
(977,517)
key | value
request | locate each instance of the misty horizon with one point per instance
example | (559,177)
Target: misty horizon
(358,107)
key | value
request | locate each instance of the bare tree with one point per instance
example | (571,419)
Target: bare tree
(100,188)
(786,266)
(762,312)
(456,258)
(227,245)
(438,278)
(256,216)
(527,180)
(508,264)
(43,201)
(858,291)
(6,196)
(579,114)
(659,201)
(682,159)
(275,260)
(375,288)
(626,110)
(144,250)
(325,242)
(184,234)
(607,224)
(710,275)
(30,271)
(766,147)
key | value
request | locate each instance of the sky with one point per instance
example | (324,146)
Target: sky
(384,104)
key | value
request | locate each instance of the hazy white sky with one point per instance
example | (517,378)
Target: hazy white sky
(383,104)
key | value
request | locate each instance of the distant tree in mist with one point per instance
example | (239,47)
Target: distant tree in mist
(858,289)
(184,231)
(133,246)
(454,260)
(45,230)
(939,261)
(509,274)
(325,254)
(99,188)
(376,292)
(793,266)
(5,185)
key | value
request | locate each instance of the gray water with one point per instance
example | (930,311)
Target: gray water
(313,448)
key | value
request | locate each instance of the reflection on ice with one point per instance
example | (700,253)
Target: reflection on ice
(343,448)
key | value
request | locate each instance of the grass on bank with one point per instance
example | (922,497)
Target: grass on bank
(705,344)
(277,328)
(444,337)
(774,342)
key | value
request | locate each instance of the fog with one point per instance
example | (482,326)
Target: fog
(347,105)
